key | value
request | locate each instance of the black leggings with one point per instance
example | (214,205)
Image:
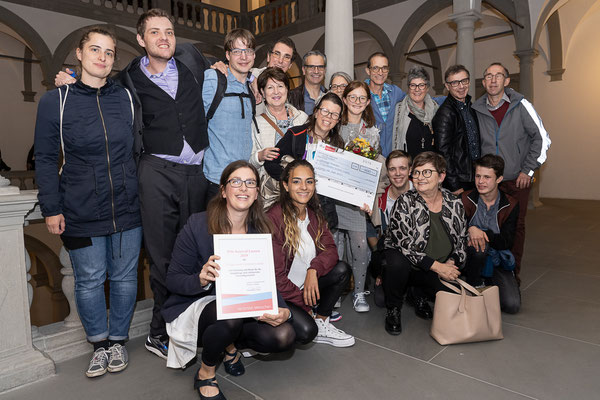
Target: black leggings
(330,289)
(215,335)
(399,273)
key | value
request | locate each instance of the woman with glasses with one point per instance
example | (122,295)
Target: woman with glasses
(426,240)
(190,310)
(308,273)
(338,83)
(358,122)
(412,118)
(300,143)
(273,84)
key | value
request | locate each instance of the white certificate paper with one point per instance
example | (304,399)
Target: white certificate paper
(345,176)
(246,283)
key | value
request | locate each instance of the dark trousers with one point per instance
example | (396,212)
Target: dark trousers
(522,196)
(399,273)
(212,191)
(215,335)
(510,295)
(169,193)
(330,289)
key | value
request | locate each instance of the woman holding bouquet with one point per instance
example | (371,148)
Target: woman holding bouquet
(300,142)
(358,132)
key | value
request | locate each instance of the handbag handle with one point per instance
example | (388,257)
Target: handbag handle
(462,284)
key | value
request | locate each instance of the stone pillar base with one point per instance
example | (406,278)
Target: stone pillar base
(22,368)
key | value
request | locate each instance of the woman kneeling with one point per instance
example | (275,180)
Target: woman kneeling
(190,310)
(307,270)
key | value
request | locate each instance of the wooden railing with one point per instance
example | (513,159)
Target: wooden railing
(275,15)
(208,18)
(129,6)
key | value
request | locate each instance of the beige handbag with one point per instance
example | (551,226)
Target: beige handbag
(467,315)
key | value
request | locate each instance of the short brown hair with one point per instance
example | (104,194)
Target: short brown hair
(243,34)
(377,54)
(438,162)
(455,69)
(499,65)
(152,13)
(398,154)
(99,30)
(272,73)
(492,161)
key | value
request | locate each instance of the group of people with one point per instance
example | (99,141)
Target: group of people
(174,149)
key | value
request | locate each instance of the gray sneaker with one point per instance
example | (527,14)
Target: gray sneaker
(98,364)
(117,358)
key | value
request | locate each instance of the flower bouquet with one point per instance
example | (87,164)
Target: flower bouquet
(362,148)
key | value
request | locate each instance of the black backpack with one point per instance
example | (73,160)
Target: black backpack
(220,93)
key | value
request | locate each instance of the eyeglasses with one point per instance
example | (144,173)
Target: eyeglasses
(415,86)
(463,82)
(239,52)
(237,182)
(315,67)
(326,113)
(380,69)
(491,77)
(336,87)
(284,57)
(426,173)
(357,99)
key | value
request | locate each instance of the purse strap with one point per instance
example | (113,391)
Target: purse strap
(273,124)
(462,284)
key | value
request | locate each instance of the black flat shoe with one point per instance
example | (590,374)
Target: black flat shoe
(234,368)
(198,383)
(393,326)
(422,307)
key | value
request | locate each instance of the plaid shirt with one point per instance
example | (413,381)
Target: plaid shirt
(383,103)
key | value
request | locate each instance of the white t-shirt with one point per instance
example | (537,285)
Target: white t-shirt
(305,254)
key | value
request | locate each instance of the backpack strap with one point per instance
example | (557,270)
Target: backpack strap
(273,124)
(61,112)
(219,94)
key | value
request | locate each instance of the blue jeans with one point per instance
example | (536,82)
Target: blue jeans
(116,255)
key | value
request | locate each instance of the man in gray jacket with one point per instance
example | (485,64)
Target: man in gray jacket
(510,128)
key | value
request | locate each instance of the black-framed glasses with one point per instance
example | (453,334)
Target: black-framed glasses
(420,86)
(490,77)
(380,69)
(457,82)
(426,173)
(326,113)
(357,99)
(237,182)
(315,67)
(284,57)
(239,52)
(340,86)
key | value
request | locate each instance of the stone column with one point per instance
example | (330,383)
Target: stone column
(339,38)
(465,14)
(20,363)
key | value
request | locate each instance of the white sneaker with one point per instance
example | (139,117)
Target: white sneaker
(329,334)
(360,303)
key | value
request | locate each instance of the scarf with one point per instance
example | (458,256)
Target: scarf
(402,120)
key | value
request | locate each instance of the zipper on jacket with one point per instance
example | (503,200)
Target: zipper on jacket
(112,189)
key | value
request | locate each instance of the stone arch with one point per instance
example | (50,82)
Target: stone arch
(556,70)
(434,55)
(33,40)
(542,21)
(72,39)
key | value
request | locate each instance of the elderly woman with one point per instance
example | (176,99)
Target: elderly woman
(412,119)
(271,125)
(426,240)
(338,83)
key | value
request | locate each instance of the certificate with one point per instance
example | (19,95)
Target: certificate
(345,176)
(246,283)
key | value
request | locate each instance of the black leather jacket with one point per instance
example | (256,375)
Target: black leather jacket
(451,142)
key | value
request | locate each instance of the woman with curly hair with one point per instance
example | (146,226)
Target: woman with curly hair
(308,273)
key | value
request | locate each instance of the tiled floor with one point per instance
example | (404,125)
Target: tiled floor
(551,348)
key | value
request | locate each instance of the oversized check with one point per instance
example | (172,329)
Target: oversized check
(246,283)
(345,176)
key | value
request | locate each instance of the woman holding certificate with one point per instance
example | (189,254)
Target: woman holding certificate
(190,310)
(300,142)
(308,273)
(426,240)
